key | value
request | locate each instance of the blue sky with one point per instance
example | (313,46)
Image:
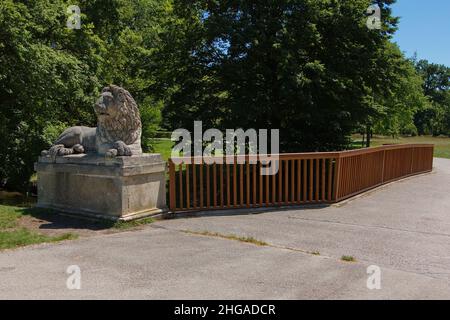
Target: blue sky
(424,28)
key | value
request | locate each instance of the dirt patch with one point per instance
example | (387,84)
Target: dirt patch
(59,224)
(52,223)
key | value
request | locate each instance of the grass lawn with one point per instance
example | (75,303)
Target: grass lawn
(14,234)
(164,147)
(441,144)
(22,226)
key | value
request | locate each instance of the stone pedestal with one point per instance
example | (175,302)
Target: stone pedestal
(122,188)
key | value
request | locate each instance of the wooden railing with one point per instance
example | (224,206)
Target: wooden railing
(302,178)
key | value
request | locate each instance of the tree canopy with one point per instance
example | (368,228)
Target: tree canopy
(50,75)
(309,68)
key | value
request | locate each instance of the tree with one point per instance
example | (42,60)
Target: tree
(47,76)
(435,118)
(50,75)
(309,68)
(403,99)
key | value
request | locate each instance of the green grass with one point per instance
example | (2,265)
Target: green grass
(123,225)
(228,237)
(13,236)
(441,144)
(23,237)
(164,147)
(348,259)
(9,216)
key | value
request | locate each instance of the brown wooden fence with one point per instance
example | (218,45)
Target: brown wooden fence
(302,178)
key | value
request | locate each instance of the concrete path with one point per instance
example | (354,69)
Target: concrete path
(404,228)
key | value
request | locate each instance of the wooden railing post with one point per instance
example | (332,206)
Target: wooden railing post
(337,177)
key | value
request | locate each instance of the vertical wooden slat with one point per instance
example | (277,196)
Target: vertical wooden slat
(317,179)
(235,183)
(311,177)
(351,171)
(208,187)
(352,174)
(222,191)
(336,180)
(267,190)
(172,182)
(305,181)
(359,172)
(364,170)
(180,172)
(255,168)
(194,185)
(274,184)
(286,181)
(228,185)
(384,165)
(261,185)
(292,181)
(299,180)
(200,166)
(188,196)
(280,182)
(330,180)
(215,185)
(323,181)
(247,174)
(241,184)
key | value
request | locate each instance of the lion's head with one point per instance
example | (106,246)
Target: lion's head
(118,116)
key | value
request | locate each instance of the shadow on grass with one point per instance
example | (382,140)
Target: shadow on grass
(53,219)
(60,220)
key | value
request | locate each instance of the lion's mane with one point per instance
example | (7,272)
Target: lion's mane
(125,125)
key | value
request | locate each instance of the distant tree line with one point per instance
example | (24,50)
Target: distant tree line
(311,68)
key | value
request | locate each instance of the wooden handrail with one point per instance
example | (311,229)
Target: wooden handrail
(313,177)
(302,155)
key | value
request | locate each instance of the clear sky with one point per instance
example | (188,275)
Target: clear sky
(424,28)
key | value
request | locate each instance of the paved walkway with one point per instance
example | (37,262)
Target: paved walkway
(404,228)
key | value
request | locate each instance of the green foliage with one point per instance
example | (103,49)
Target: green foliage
(51,131)
(435,118)
(50,75)
(151,120)
(403,99)
(309,68)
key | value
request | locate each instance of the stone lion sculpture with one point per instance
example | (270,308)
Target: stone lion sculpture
(118,131)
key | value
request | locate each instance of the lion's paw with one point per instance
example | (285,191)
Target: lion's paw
(65,151)
(122,148)
(78,148)
(111,153)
